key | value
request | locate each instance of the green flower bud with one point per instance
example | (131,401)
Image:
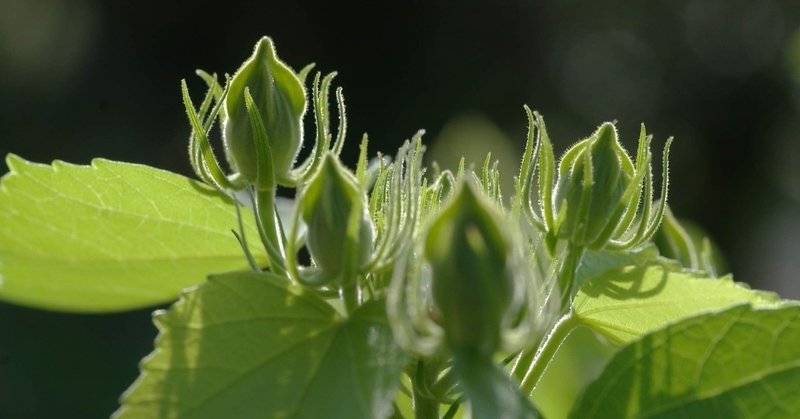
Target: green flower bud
(593,177)
(329,204)
(280,99)
(472,283)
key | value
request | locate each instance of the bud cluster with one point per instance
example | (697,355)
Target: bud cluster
(461,271)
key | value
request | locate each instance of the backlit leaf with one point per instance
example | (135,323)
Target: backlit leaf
(742,362)
(247,345)
(627,302)
(110,236)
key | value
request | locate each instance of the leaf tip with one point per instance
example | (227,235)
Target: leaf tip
(14,161)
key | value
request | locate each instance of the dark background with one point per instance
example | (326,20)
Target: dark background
(81,78)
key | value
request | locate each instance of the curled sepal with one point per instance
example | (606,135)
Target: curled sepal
(279,98)
(474,284)
(409,306)
(334,209)
(395,203)
(689,245)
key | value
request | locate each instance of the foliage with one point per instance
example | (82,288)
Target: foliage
(429,292)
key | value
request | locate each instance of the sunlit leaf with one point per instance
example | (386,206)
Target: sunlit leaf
(595,263)
(110,236)
(742,362)
(628,302)
(247,345)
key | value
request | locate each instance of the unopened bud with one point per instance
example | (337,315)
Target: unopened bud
(473,285)
(328,203)
(593,177)
(280,99)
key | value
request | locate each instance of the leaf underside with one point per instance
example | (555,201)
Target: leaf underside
(626,303)
(110,236)
(248,345)
(742,362)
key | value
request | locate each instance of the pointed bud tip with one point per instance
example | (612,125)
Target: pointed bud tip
(606,133)
(264,48)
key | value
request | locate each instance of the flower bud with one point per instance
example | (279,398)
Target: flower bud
(472,283)
(280,99)
(593,177)
(328,203)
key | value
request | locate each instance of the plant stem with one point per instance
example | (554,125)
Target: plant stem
(424,407)
(349,294)
(270,236)
(546,351)
(523,363)
(530,365)
(566,277)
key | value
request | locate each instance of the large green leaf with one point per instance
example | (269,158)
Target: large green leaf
(628,302)
(742,362)
(247,345)
(110,236)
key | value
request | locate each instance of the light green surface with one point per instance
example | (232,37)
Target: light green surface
(245,345)
(739,363)
(579,360)
(110,236)
(626,303)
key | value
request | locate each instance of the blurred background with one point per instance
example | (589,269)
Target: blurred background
(82,79)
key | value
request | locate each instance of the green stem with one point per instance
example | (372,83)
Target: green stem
(424,407)
(349,294)
(566,277)
(546,352)
(270,236)
(524,361)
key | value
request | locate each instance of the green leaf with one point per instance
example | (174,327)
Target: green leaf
(597,262)
(110,236)
(247,345)
(742,362)
(627,302)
